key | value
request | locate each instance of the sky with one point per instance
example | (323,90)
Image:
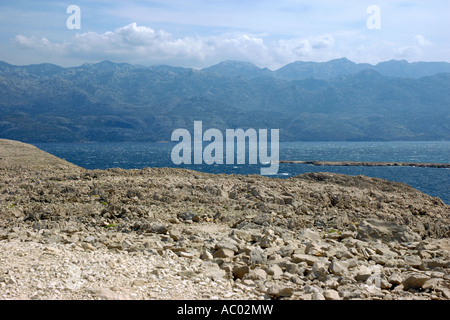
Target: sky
(201,33)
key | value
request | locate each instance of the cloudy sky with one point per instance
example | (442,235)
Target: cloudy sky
(200,33)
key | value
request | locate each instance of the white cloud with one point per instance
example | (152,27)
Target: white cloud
(413,50)
(141,44)
(421,41)
(312,48)
(43,44)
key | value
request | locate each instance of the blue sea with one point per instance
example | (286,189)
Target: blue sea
(433,181)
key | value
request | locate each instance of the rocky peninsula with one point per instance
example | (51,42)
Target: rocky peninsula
(371,164)
(160,233)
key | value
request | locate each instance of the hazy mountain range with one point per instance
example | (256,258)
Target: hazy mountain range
(335,100)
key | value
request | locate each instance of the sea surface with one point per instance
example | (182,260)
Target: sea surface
(433,181)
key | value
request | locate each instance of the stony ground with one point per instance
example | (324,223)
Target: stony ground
(71,233)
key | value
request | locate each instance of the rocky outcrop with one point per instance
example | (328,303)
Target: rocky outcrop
(375,230)
(159,233)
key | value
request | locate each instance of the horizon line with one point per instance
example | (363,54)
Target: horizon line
(218,63)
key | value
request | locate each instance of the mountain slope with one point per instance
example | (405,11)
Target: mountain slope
(238,69)
(121,102)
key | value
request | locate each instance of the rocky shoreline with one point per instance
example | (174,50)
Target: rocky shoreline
(159,233)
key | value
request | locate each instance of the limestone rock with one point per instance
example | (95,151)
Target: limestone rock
(395,279)
(286,292)
(413,261)
(206,255)
(338,268)
(159,227)
(309,235)
(106,294)
(175,235)
(241,235)
(319,269)
(258,257)
(331,294)
(362,273)
(310,260)
(275,271)
(268,239)
(138,283)
(213,271)
(223,253)
(228,243)
(415,281)
(257,274)
(240,271)
(373,230)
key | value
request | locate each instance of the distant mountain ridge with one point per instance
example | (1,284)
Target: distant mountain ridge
(327,70)
(335,100)
(298,70)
